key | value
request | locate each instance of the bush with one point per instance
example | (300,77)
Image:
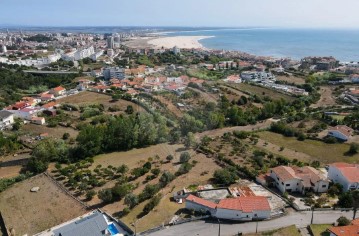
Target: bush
(353,149)
(184,169)
(90,194)
(166,178)
(131,200)
(105,195)
(185,157)
(169,158)
(148,192)
(343,221)
(152,204)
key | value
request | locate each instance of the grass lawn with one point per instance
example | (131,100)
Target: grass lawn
(320,230)
(326,153)
(287,231)
(338,117)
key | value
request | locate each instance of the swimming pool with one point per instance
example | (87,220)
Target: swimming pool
(113,230)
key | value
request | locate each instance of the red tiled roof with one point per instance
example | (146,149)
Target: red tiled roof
(245,204)
(349,171)
(350,230)
(59,88)
(284,172)
(201,201)
(355,222)
(50,104)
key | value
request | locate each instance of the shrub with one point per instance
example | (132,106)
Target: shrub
(152,204)
(185,157)
(131,200)
(90,194)
(343,221)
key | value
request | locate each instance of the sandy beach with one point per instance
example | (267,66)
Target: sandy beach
(184,42)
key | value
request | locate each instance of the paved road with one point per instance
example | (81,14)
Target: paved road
(300,219)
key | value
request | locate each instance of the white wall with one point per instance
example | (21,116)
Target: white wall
(239,215)
(336,176)
(197,207)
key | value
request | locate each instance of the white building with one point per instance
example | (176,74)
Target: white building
(114,72)
(345,174)
(299,179)
(78,54)
(96,55)
(240,208)
(26,113)
(6,119)
(176,50)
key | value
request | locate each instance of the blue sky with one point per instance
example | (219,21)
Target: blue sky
(226,13)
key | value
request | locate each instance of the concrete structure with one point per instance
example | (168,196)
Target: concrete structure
(299,179)
(114,72)
(6,119)
(341,132)
(78,54)
(110,42)
(345,174)
(95,223)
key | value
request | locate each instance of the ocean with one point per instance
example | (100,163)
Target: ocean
(294,43)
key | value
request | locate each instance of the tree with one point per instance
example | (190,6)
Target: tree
(169,158)
(129,109)
(166,178)
(185,157)
(122,169)
(345,200)
(353,149)
(152,204)
(225,176)
(90,194)
(66,136)
(131,200)
(343,221)
(335,190)
(119,191)
(189,140)
(105,195)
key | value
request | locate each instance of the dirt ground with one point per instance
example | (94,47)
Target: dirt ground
(88,98)
(170,106)
(56,132)
(326,98)
(291,79)
(10,171)
(30,213)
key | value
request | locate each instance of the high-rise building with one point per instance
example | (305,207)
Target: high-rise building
(3,49)
(110,42)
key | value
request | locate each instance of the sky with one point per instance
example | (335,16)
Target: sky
(197,13)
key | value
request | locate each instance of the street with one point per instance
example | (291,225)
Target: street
(300,219)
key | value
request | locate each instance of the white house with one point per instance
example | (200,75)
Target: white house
(199,204)
(233,79)
(341,132)
(243,208)
(299,179)
(26,113)
(240,208)
(58,91)
(6,119)
(345,174)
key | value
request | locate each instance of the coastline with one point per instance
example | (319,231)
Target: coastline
(182,42)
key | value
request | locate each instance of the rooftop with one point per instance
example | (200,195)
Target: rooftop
(245,204)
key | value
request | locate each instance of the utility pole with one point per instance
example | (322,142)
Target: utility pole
(311,221)
(219,228)
(257,226)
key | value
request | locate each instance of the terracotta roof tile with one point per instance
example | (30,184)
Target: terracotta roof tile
(245,204)
(201,201)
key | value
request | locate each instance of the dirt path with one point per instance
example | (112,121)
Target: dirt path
(219,132)
(326,98)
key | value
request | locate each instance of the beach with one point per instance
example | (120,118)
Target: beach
(183,42)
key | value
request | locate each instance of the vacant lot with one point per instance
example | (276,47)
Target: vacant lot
(291,79)
(326,98)
(88,98)
(288,231)
(320,230)
(262,92)
(326,153)
(30,213)
(56,132)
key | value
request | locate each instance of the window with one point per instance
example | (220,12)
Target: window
(287,185)
(277,178)
(324,186)
(282,183)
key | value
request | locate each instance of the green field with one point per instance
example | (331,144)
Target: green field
(326,153)
(320,230)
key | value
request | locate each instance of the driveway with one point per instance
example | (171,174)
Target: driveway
(210,227)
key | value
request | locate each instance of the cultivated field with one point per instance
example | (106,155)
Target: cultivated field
(326,98)
(30,213)
(56,132)
(262,92)
(317,150)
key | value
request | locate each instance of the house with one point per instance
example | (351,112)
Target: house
(58,91)
(200,205)
(6,119)
(49,105)
(46,96)
(233,79)
(349,230)
(95,223)
(299,179)
(341,132)
(345,174)
(26,113)
(38,120)
(243,208)
(18,106)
